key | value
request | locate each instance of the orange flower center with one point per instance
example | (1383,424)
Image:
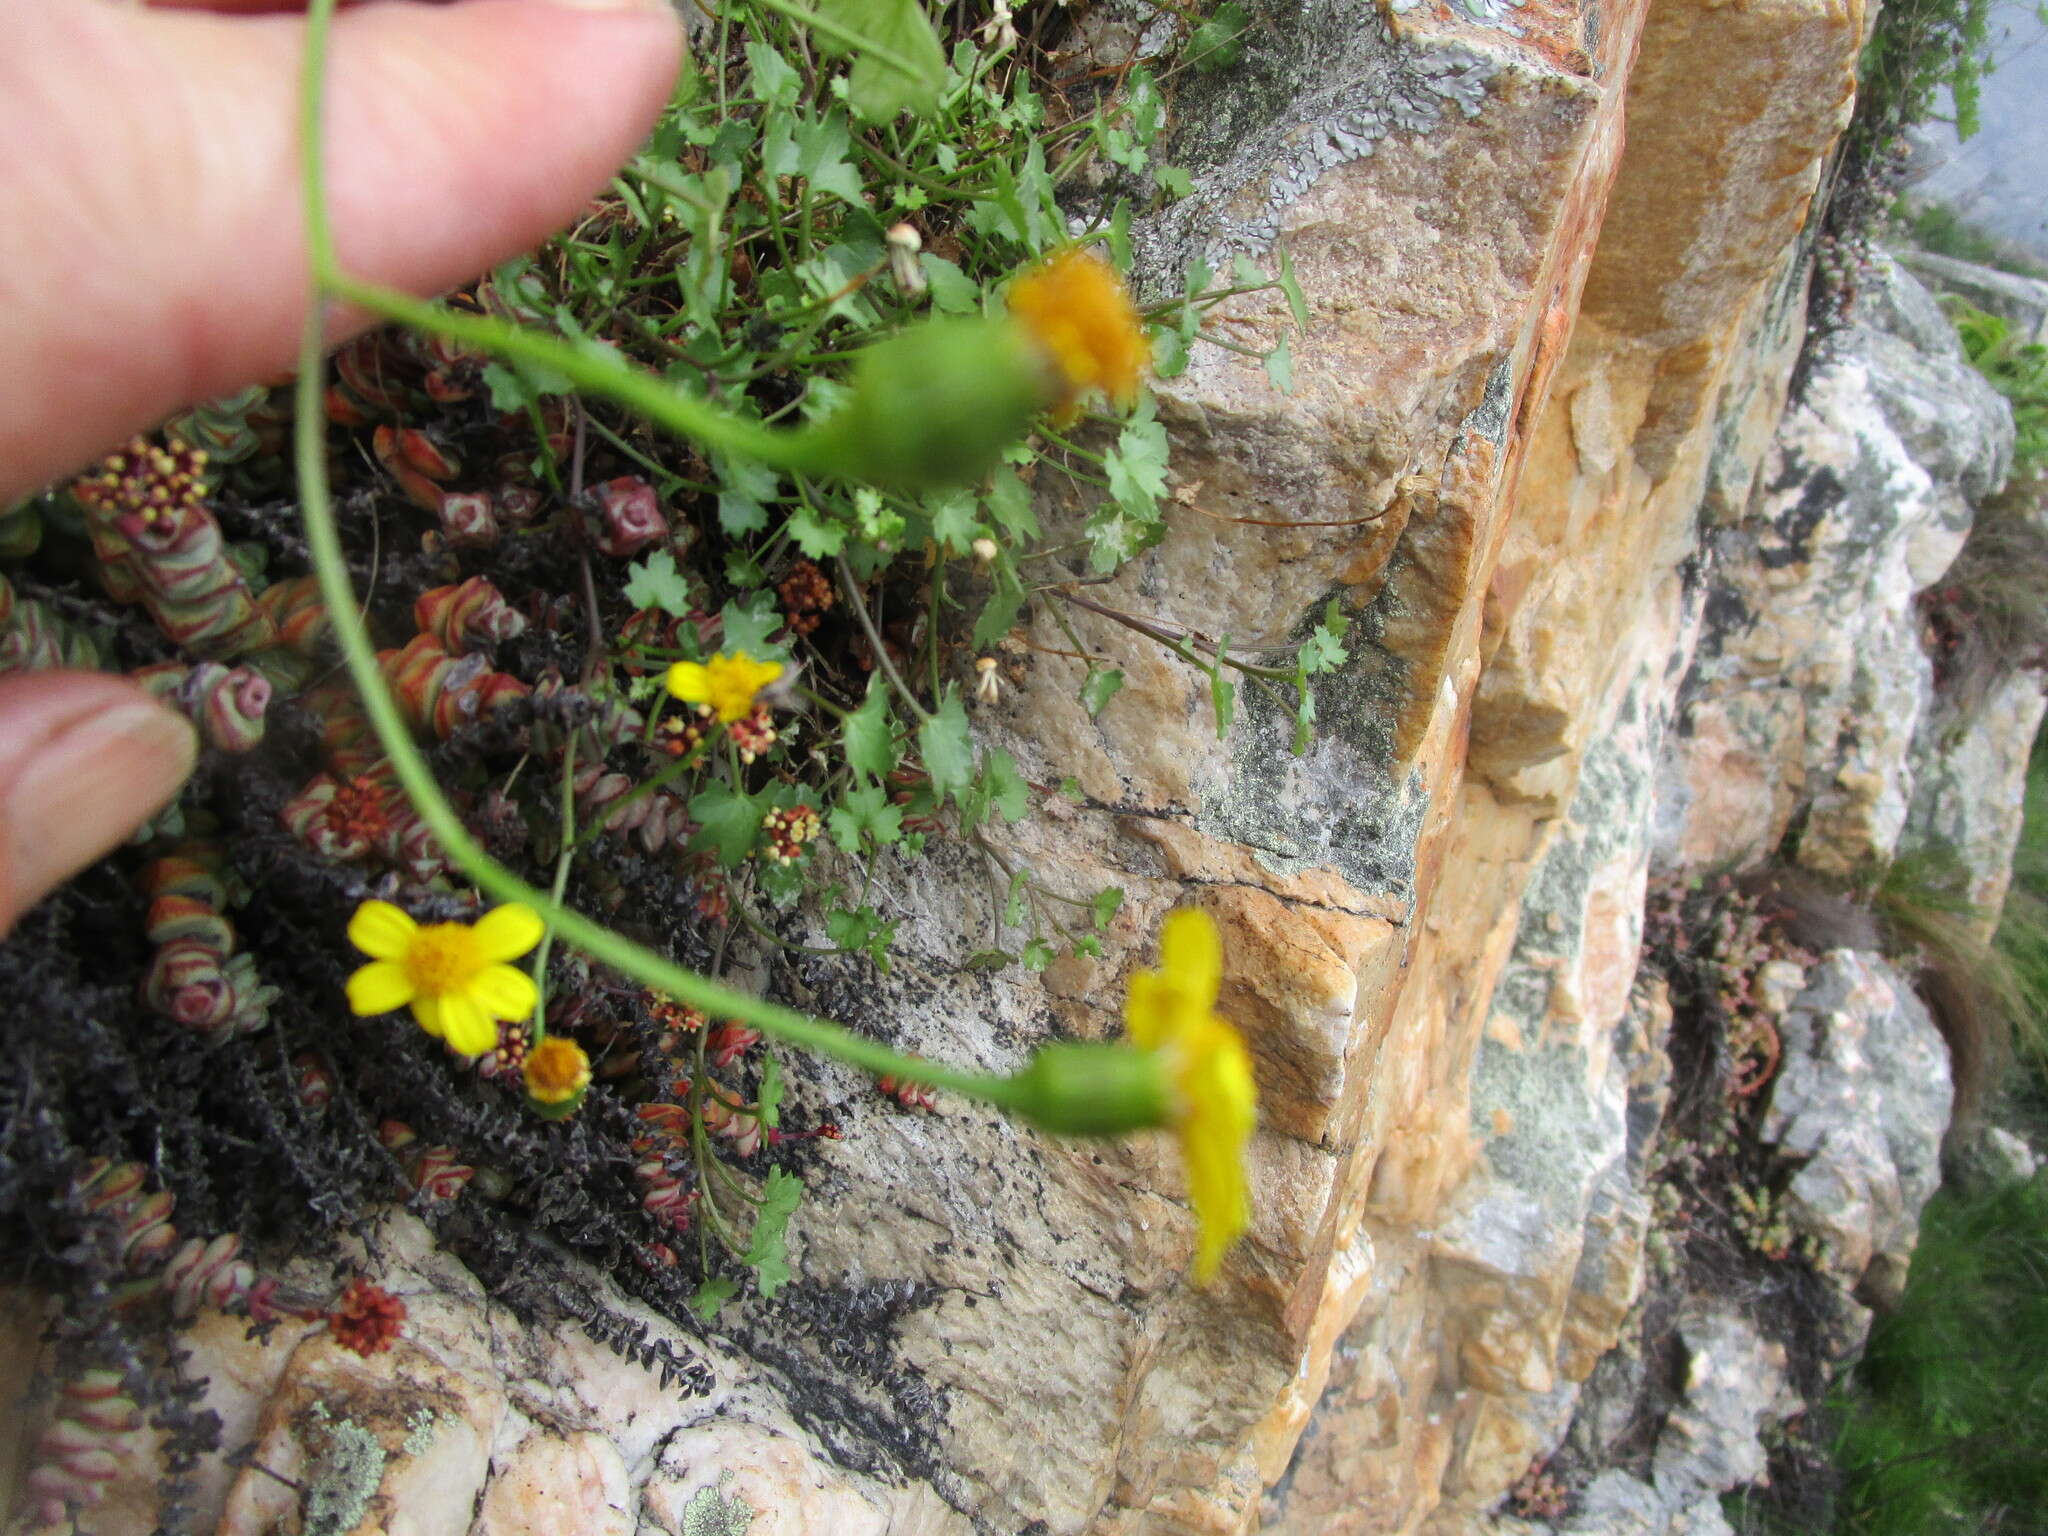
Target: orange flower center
(442,959)
(556,1070)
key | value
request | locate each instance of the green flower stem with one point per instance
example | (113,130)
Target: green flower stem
(331,569)
(590,367)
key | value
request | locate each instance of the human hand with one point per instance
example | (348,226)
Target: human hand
(152,255)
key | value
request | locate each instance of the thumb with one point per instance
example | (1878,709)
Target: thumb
(84,760)
(152,251)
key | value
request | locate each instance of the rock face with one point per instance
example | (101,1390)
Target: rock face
(1610,612)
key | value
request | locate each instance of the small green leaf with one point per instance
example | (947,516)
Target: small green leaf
(944,744)
(1136,465)
(711,1295)
(862,932)
(1108,901)
(815,534)
(776,81)
(1280,367)
(1037,955)
(1222,693)
(1290,286)
(727,823)
(746,623)
(1322,652)
(1219,41)
(878,90)
(1007,790)
(1013,899)
(766,1251)
(1088,944)
(1174,181)
(821,148)
(869,810)
(1070,789)
(768,1103)
(1009,503)
(953,291)
(999,614)
(1100,687)
(656,583)
(954,524)
(866,736)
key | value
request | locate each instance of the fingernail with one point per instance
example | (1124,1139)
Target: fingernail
(90,784)
(659,6)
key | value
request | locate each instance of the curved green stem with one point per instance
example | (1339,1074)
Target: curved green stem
(331,569)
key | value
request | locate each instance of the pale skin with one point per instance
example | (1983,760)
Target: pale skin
(152,255)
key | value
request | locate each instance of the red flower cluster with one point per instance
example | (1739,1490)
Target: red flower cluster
(367,1318)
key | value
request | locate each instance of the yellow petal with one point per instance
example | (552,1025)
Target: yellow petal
(690,682)
(379,987)
(1148,1010)
(1220,1113)
(381,930)
(427,1009)
(503,992)
(466,1027)
(507,932)
(1191,953)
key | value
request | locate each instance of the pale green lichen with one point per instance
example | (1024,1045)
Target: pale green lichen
(351,1466)
(713,1512)
(420,1426)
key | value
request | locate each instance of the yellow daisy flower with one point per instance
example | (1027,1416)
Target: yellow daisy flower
(556,1071)
(1077,310)
(727,683)
(1172,1011)
(453,975)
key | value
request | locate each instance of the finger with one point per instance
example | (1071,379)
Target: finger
(151,249)
(85,759)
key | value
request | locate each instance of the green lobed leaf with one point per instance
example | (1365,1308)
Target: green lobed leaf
(1009,503)
(1108,901)
(1100,686)
(954,524)
(1218,42)
(711,1295)
(866,735)
(656,583)
(1280,367)
(1006,787)
(776,81)
(953,291)
(866,809)
(768,1103)
(746,623)
(945,745)
(727,822)
(815,534)
(766,1250)
(878,90)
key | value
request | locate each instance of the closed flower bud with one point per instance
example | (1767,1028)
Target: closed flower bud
(935,405)
(1094,1089)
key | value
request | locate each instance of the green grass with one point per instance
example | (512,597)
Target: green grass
(1942,1422)
(1946,233)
